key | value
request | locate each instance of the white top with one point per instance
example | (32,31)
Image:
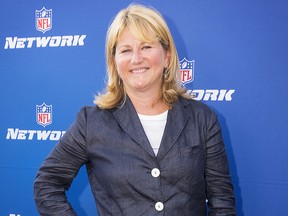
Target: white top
(154,126)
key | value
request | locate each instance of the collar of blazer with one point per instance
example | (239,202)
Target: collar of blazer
(177,118)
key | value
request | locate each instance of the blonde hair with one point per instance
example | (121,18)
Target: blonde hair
(139,20)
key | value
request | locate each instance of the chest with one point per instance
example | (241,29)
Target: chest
(117,159)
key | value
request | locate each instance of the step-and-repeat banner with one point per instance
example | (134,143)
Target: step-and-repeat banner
(233,57)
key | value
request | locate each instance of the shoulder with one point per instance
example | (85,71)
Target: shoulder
(89,110)
(93,113)
(195,106)
(202,115)
(199,112)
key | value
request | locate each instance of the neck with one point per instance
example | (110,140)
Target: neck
(151,104)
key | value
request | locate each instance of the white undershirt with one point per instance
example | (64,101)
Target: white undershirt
(154,126)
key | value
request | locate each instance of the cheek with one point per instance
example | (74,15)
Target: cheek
(120,65)
(160,59)
(159,62)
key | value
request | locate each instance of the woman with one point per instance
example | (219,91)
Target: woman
(149,149)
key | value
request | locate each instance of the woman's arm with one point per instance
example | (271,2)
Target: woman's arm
(218,181)
(59,169)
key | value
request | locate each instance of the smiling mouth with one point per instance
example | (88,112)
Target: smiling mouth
(139,71)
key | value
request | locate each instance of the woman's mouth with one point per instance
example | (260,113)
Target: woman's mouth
(139,70)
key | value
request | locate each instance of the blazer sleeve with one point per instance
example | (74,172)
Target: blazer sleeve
(60,168)
(219,187)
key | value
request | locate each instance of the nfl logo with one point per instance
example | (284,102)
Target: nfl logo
(44,114)
(43,19)
(187,71)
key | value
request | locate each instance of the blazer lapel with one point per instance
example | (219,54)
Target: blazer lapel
(176,121)
(127,118)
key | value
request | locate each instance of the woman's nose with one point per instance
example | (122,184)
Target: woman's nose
(136,57)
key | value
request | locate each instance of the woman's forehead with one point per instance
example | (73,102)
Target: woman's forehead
(142,34)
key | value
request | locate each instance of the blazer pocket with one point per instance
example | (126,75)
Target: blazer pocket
(191,150)
(192,165)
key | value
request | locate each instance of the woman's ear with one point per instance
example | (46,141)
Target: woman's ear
(167,59)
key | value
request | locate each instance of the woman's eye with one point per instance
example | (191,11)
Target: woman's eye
(146,47)
(125,51)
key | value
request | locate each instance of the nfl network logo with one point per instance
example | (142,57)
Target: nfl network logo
(187,71)
(44,114)
(43,19)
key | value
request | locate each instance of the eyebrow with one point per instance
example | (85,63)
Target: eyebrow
(127,45)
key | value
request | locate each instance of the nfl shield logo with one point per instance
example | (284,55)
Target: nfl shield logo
(44,114)
(43,19)
(187,71)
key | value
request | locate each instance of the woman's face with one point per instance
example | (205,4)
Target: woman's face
(140,65)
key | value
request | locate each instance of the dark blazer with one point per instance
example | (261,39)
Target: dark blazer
(126,177)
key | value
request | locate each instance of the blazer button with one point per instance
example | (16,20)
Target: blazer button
(155,172)
(159,206)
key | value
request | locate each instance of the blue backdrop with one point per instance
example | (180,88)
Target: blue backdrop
(233,57)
